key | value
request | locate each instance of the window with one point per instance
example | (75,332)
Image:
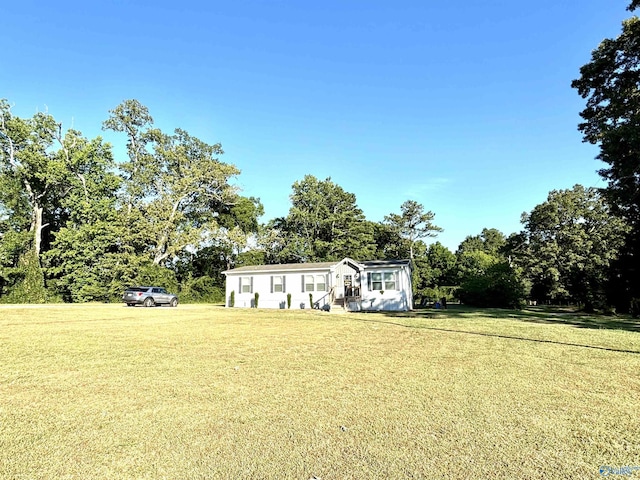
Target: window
(312,283)
(246,284)
(382,281)
(376,281)
(308,283)
(277,283)
(389,281)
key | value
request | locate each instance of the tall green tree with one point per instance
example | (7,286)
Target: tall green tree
(442,263)
(572,240)
(324,224)
(34,180)
(486,276)
(433,268)
(413,224)
(390,245)
(231,247)
(610,83)
(30,169)
(498,285)
(490,241)
(81,261)
(134,119)
(175,185)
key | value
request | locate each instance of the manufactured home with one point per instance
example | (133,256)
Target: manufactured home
(347,284)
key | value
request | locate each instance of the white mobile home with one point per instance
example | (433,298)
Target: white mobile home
(371,285)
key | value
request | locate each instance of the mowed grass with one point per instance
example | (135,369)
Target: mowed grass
(105,391)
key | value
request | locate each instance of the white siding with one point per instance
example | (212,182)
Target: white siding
(262,284)
(400,299)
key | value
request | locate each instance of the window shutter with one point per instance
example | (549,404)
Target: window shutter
(239,284)
(284,283)
(396,277)
(369,281)
(251,284)
(271,283)
(303,283)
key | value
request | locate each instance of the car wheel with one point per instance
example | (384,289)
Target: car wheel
(148,302)
(174,302)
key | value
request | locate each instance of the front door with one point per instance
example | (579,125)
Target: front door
(346,280)
(348,285)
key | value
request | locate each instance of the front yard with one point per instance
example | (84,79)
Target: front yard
(105,391)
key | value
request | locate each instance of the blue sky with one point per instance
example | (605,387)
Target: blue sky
(465,107)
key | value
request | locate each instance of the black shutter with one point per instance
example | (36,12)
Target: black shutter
(284,283)
(302,283)
(271,283)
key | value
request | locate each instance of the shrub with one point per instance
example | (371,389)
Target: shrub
(232,298)
(29,281)
(311,300)
(499,287)
(201,290)
(256,296)
(288,300)
(634,308)
(156,275)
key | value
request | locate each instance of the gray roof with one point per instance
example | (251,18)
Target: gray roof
(384,263)
(285,267)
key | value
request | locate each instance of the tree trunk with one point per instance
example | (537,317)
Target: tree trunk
(162,245)
(36,228)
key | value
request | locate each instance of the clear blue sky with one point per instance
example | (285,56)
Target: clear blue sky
(465,107)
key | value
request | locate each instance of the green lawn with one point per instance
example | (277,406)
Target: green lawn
(107,392)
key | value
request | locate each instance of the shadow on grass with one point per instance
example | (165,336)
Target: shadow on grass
(542,315)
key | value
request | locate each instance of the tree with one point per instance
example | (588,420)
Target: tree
(610,83)
(499,286)
(413,223)
(442,263)
(88,244)
(490,241)
(476,253)
(133,119)
(37,169)
(238,226)
(486,276)
(473,263)
(324,224)
(175,185)
(29,168)
(571,242)
(433,268)
(390,245)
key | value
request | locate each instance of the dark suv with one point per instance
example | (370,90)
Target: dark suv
(149,297)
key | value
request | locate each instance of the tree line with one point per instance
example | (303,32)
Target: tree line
(75,225)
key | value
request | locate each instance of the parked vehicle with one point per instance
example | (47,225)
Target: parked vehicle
(149,297)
